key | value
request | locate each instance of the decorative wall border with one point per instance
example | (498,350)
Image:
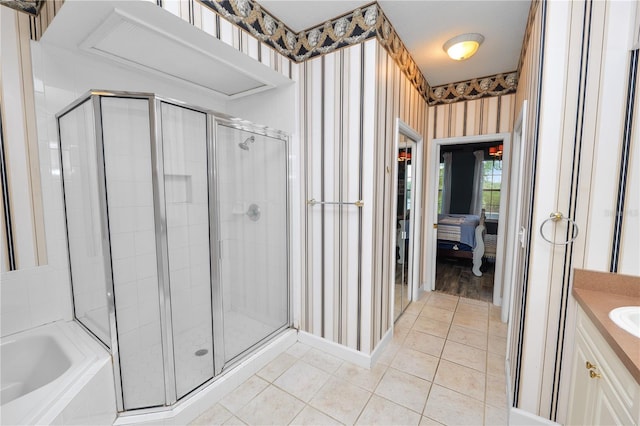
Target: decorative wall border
(32,7)
(352,28)
(476,88)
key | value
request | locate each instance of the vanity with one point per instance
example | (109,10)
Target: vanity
(605,379)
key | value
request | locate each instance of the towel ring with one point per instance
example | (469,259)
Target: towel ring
(556,217)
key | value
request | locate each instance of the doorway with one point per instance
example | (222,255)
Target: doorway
(431,232)
(408,157)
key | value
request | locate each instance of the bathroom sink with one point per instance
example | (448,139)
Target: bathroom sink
(627,318)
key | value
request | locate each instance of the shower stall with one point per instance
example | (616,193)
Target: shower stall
(177,230)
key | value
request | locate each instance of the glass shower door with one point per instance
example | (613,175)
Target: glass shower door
(184,145)
(252,216)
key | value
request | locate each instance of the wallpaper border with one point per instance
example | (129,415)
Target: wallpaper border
(476,88)
(352,28)
(32,7)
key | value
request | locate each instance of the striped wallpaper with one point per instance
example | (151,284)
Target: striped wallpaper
(350,100)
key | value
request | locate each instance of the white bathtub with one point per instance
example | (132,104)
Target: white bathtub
(55,374)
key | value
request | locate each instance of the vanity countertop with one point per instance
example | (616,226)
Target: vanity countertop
(600,292)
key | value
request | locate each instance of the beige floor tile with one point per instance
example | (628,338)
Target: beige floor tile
(426,421)
(494,416)
(497,345)
(466,336)
(271,407)
(416,363)
(427,325)
(461,379)
(406,321)
(496,391)
(424,342)
(453,408)
(310,416)
(468,320)
(498,328)
(380,411)
(400,333)
(414,308)
(479,311)
(495,365)
(423,298)
(404,389)
(437,314)
(244,393)
(366,378)
(298,349)
(467,356)
(495,312)
(275,368)
(302,380)
(341,400)
(443,301)
(389,353)
(216,415)
(468,301)
(322,360)
(234,421)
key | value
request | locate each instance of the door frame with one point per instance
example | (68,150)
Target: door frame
(417,155)
(432,206)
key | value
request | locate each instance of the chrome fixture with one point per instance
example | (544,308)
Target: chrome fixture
(245,145)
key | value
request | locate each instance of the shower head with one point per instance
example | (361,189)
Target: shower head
(245,145)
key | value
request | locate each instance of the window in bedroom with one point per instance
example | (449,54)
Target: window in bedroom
(491,180)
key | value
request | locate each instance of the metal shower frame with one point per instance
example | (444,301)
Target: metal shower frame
(213,120)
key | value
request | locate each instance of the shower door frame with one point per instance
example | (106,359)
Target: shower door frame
(213,118)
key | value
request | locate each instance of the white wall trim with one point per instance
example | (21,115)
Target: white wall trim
(432,205)
(343,352)
(384,342)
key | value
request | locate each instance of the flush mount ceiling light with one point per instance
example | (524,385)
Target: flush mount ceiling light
(463,46)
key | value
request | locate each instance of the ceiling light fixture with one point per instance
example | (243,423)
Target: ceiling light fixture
(463,46)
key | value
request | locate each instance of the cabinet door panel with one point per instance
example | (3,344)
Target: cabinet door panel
(583,387)
(607,408)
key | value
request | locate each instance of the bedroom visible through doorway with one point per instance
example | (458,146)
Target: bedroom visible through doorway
(468,220)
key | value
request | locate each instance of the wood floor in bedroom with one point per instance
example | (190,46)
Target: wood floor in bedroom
(454,276)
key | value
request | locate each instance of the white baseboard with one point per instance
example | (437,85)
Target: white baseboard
(377,352)
(345,353)
(518,417)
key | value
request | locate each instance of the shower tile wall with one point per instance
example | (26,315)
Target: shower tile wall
(127,154)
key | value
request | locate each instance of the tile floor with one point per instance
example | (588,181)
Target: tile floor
(445,365)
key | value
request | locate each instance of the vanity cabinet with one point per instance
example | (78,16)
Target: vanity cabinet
(603,392)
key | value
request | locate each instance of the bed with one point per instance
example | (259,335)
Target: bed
(462,236)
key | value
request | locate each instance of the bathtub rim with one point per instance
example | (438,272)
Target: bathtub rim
(43,405)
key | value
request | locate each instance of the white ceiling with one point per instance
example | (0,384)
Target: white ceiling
(425,25)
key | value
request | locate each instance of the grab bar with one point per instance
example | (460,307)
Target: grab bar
(556,217)
(313,202)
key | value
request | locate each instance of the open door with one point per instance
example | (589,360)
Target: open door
(406,223)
